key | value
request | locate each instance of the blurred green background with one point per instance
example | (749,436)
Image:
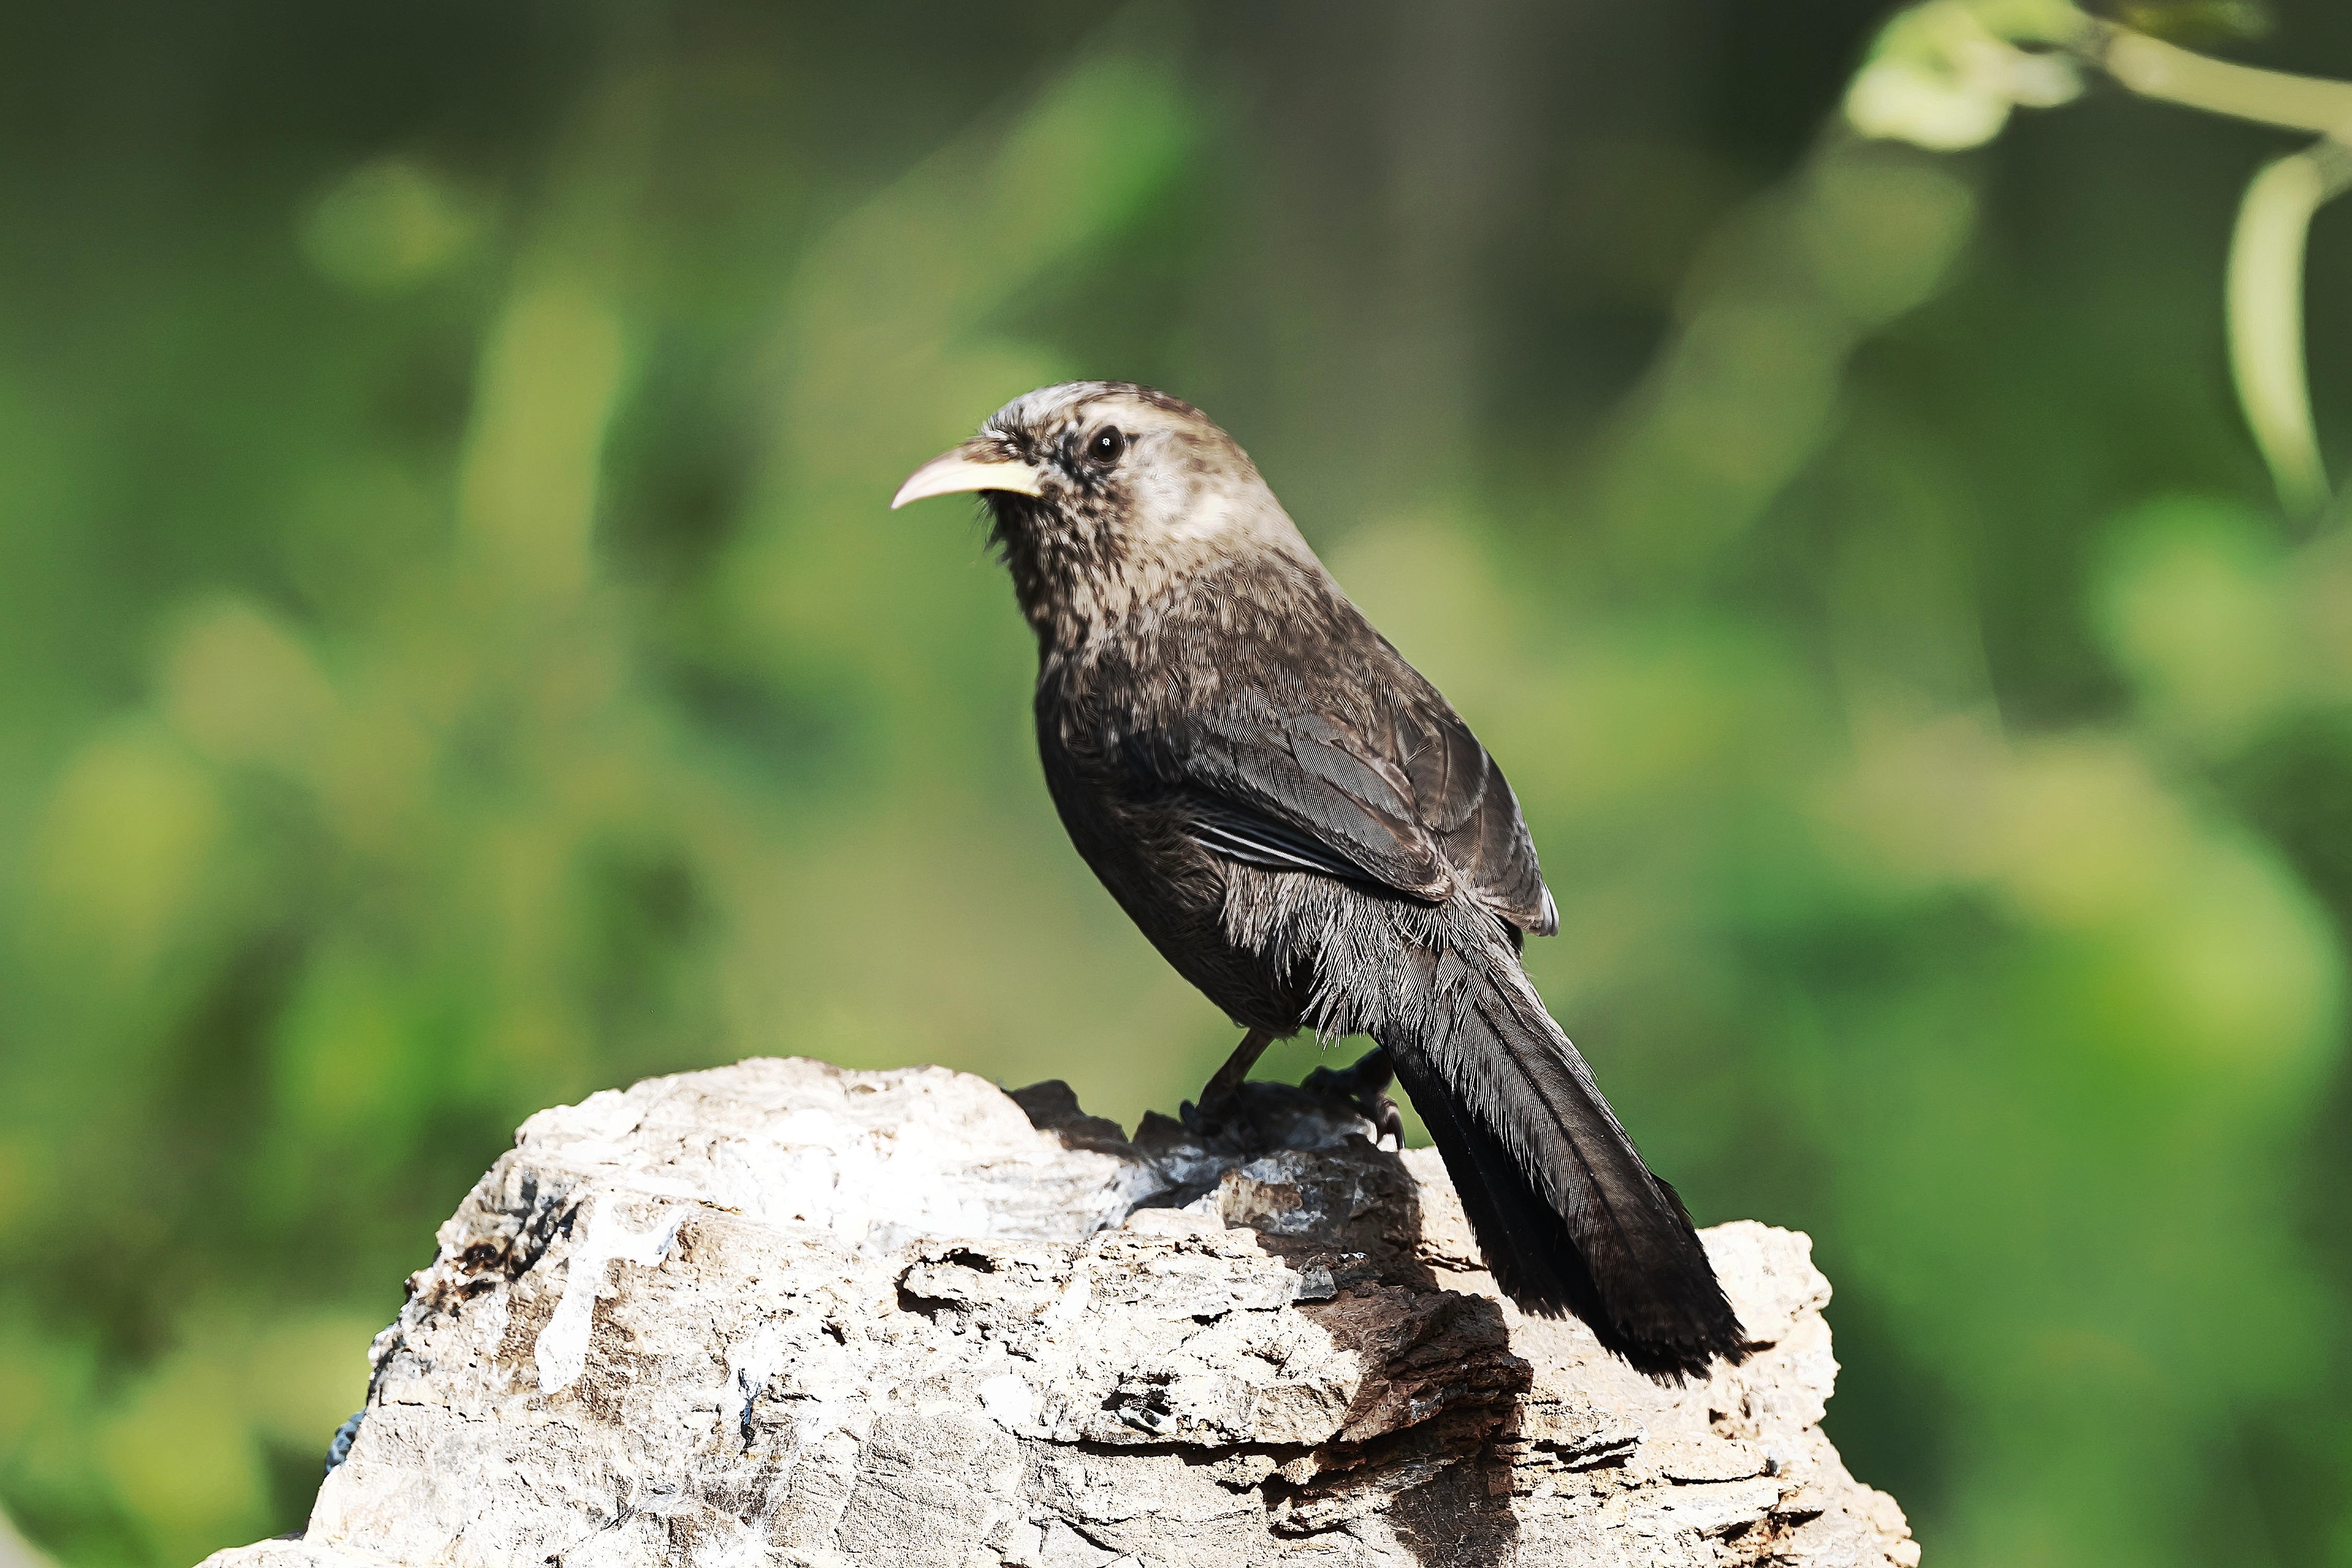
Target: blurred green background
(456,657)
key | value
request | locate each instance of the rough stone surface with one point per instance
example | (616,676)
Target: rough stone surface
(783,1313)
(16,1552)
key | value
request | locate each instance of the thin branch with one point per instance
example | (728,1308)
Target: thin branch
(2266,313)
(2154,68)
(1946,75)
(2265,293)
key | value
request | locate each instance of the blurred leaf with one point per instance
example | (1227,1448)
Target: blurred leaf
(388,226)
(2193,601)
(130,830)
(184,1461)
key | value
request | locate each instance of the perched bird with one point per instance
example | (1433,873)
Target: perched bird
(1305,828)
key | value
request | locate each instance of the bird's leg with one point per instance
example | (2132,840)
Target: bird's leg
(1223,1088)
(1360,1086)
(1222,1095)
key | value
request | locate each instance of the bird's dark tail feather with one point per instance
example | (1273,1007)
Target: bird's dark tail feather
(1570,1218)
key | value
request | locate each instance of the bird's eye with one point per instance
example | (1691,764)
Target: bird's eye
(1108,445)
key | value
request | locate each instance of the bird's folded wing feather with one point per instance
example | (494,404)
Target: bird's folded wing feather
(1217,825)
(1417,806)
(1299,795)
(1468,805)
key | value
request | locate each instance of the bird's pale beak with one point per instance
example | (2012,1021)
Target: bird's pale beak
(977,465)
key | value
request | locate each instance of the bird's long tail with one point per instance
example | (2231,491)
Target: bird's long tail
(1569,1217)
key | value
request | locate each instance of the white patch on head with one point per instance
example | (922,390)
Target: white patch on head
(1189,495)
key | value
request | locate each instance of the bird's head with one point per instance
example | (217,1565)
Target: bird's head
(1106,495)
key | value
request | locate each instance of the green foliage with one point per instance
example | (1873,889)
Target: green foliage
(462,661)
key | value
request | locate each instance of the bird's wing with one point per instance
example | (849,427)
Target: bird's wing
(1415,804)
(1219,825)
(1296,791)
(1466,804)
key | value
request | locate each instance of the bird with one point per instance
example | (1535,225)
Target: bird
(1305,828)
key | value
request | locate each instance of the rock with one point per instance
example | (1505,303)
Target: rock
(16,1552)
(785,1313)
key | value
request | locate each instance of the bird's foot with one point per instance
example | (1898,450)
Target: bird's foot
(1251,1119)
(1222,1122)
(1360,1086)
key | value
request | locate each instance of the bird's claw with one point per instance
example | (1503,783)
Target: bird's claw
(1222,1124)
(1360,1084)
